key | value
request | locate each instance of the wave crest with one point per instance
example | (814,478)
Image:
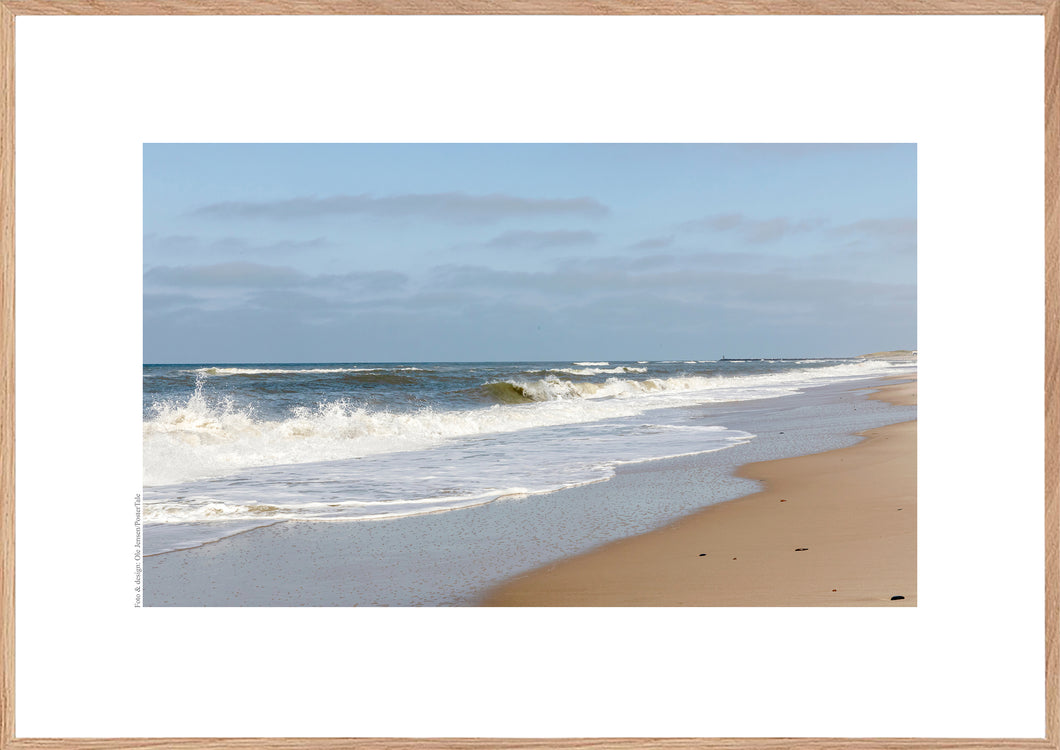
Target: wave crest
(200,438)
(601,371)
(228,371)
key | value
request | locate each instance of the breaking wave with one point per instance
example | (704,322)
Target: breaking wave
(458,475)
(223,371)
(600,371)
(736,387)
(199,437)
(507,393)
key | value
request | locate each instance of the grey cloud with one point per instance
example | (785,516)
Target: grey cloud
(375,281)
(531,240)
(754,230)
(237,274)
(166,302)
(653,243)
(289,299)
(717,260)
(173,243)
(589,275)
(241,246)
(453,207)
(719,222)
(735,279)
(648,262)
(879,228)
(728,261)
(304,305)
(469,312)
(432,301)
(879,242)
(185,244)
(770,292)
(850,264)
(883,227)
(256,276)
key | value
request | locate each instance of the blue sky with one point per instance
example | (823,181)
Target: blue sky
(492,252)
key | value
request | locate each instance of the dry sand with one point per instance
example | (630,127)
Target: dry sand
(831,529)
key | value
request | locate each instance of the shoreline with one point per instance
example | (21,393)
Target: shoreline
(836,528)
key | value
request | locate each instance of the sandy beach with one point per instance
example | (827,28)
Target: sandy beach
(832,529)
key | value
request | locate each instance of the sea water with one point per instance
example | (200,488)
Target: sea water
(231,447)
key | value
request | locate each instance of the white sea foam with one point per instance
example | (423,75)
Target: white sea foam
(196,438)
(599,370)
(701,387)
(592,364)
(220,371)
(454,475)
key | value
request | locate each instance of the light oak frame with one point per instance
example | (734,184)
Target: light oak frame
(1048,9)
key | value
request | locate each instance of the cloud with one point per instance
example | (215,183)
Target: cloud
(172,243)
(256,276)
(165,302)
(451,207)
(771,293)
(374,281)
(888,244)
(179,244)
(725,261)
(652,243)
(237,274)
(531,240)
(754,230)
(244,247)
(894,228)
(296,302)
(885,227)
(637,305)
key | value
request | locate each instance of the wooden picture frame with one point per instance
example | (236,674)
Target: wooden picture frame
(1048,9)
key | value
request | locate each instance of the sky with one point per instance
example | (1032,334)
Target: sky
(526,252)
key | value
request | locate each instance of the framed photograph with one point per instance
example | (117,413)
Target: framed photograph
(435,377)
(406,418)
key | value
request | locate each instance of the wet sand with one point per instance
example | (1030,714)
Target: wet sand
(831,529)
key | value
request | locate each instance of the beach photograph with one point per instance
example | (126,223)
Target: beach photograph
(530,375)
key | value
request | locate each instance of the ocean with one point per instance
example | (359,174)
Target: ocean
(232,447)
